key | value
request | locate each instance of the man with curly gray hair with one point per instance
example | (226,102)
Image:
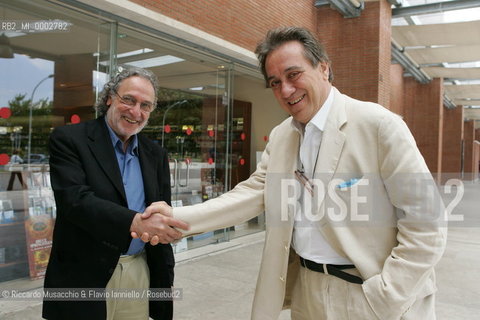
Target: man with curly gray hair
(111,86)
(103,174)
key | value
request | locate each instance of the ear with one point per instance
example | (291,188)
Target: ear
(324,69)
(109,101)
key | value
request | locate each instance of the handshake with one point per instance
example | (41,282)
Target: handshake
(157,225)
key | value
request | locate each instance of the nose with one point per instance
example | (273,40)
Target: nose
(135,111)
(287,89)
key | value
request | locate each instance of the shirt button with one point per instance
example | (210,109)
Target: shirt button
(282,279)
(286,248)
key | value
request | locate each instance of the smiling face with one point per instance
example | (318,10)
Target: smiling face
(127,121)
(299,88)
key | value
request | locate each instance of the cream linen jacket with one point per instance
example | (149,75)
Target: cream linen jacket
(395,250)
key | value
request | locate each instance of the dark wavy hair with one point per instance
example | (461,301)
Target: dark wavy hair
(124,72)
(313,49)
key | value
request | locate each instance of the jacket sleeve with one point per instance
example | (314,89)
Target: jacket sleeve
(240,204)
(78,202)
(421,223)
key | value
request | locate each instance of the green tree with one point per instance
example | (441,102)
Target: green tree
(20,106)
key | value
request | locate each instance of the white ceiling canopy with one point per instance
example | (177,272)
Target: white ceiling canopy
(463,102)
(445,50)
(452,54)
(460,33)
(455,73)
(471,91)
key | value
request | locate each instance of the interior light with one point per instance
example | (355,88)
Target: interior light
(134,53)
(156,62)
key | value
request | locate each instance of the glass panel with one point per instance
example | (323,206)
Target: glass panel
(48,79)
(191,120)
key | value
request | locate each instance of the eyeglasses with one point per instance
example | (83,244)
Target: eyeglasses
(304,181)
(131,102)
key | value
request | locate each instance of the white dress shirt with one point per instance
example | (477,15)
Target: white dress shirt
(308,241)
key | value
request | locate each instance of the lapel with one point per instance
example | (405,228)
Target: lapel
(148,163)
(102,150)
(333,140)
(291,141)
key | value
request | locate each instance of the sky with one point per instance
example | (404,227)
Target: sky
(21,75)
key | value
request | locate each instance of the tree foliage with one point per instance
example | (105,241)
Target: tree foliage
(20,106)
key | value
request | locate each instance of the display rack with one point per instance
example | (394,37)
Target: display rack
(27,214)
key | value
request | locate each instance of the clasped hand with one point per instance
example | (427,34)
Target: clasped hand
(157,225)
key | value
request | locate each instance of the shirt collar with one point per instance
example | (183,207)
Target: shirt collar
(132,146)
(320,118)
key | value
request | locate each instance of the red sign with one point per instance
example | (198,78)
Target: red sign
(75,118)
(5,113)
(4,159)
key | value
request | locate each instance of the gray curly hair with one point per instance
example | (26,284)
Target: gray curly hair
(124,72)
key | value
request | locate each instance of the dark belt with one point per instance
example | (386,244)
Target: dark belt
(332,269)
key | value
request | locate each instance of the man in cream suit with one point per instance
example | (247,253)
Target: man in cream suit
(353,222)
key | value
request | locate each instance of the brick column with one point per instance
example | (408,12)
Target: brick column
(424,116)
(476,159)
(468,150)
(360,50)
(397,90)
(452,143)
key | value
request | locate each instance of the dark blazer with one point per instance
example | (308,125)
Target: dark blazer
(93,219)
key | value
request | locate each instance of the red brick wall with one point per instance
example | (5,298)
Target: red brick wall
(469,153)
(476,159)
(241,22)
(397,95)
(360,50)
(452,143)
(424,116)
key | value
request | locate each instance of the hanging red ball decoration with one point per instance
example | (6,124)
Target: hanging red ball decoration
(4,159)
(75,118)
(5,113)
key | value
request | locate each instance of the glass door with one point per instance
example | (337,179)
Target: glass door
(195,131)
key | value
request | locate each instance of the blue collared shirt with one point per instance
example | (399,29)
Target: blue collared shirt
(129,164)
